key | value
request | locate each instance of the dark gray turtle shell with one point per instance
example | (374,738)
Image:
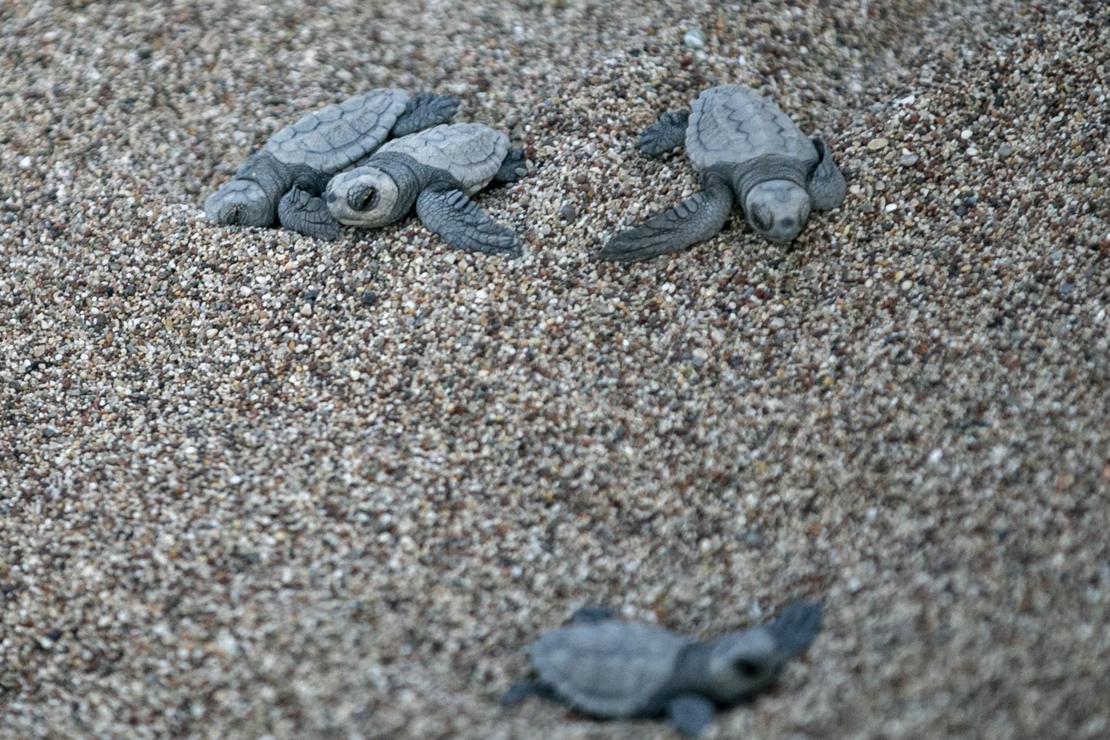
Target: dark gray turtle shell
(608,669)
(731,125)
(471,152)
(333,138)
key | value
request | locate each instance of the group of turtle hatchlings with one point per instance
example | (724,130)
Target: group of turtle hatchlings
(369,160)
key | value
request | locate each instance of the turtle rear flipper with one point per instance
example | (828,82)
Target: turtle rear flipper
(666,134)
(826,185)
(693,220)
(454,216)
(690,714)
(592,615)
(425,111)
(307,214)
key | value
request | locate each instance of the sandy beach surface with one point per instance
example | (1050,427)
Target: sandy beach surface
(255,484)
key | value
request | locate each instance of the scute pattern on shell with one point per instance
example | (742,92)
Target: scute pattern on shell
(611,669)
(470,152)
(335,137)
(733,124)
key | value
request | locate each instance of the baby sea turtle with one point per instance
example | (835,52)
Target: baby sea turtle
(437,169)
(749,152)
(611,669)
(284,179)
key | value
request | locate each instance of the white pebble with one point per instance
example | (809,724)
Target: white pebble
(694,38)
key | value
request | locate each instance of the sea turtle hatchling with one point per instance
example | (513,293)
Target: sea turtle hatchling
(283,180)
(611,669)
(749,152)
(437,169)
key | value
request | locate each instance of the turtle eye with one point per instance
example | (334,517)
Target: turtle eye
(362,198)
(749,669)
(764,220)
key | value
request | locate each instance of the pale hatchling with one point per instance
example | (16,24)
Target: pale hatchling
(437,170)
(749,153)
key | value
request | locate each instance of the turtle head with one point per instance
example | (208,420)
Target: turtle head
(365,196)
(777,209)
(240,203)
(743,663)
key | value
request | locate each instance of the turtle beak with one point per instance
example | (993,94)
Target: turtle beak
(232,215)
(362,198)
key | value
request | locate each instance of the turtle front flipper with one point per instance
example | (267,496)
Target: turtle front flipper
(307,214)
(826,185)
(450,213)
(693,220)
(425,111)
(666,134)
(521,690)
(512,168)
(796,627)
(690,714)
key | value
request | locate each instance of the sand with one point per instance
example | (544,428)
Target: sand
(254,484)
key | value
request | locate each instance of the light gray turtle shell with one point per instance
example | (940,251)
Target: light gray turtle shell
(608,669)
(731,125)
(333,138)
(471,152)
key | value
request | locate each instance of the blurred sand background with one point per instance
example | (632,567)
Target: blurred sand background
(254,484)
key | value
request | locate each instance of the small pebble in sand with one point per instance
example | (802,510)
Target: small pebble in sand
(694,38)
(877,144)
